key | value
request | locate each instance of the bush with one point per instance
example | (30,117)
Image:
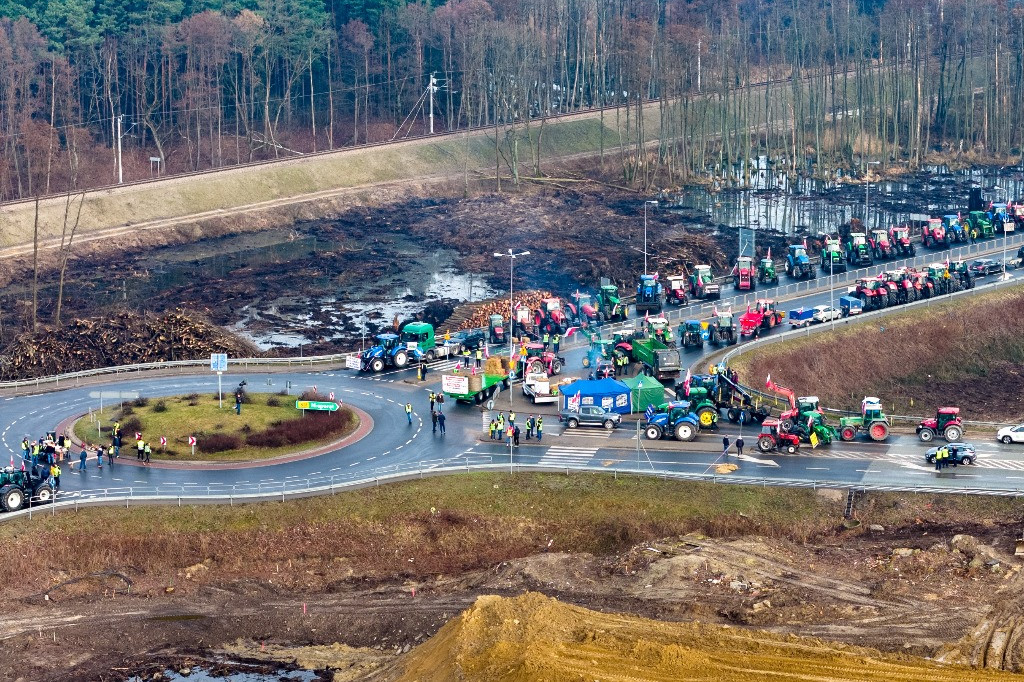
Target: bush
(190,396)
(218,442)
(129,427)
(160,406)
(140,402)
(125,411)
(272,401)
(312,427)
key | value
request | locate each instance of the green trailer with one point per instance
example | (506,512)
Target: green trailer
(658,359)
(473,389)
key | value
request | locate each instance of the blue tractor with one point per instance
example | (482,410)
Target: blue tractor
(954,230)
(798,265)
(673,419)
(388,352)
(648,294)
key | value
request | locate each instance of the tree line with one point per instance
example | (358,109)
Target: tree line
(171,86)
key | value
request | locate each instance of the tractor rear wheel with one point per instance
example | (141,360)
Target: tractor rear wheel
(765,443)
(733,414)
(847,433)
(401,359)
(878,431)
(685,432)
(652,432)
(953,433)
(707,416)
(43,493)
(761,413)
(11,498)
(891,298)
(926,434)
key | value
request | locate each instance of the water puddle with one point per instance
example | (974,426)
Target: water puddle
(199,674)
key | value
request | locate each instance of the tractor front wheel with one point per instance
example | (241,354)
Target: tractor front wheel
(791,449)
(926,434)
(847,433)
(401,359)
(765,444)
(377,365)
(953,433)
(652,432)
(685,432)
(43,494)
(11,498)
(707,417)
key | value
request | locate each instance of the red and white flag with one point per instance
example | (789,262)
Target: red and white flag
(768,381)
(574,402)
(570,331)
(331,395)
(686,383)
(769,253)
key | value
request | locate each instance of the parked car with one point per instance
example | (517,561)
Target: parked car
(590,415)
(1011,434)
(826,313)
(472,339)
(959,453)
(985,266)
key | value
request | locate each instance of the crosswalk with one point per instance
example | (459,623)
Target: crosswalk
(444,365)
(596,434)
(564,455)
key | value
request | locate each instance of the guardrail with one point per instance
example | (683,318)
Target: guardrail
(279,491)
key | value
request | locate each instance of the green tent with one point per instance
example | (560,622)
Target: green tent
(644,391)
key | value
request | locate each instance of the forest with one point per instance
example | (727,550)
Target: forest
(95,92)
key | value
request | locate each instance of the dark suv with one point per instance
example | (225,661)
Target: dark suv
(986,266)
(471,339)
(590,415)
(959,453)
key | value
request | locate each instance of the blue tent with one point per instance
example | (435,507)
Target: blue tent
(608,393)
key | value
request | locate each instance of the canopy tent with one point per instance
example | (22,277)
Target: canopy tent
(609,393)
(644,391)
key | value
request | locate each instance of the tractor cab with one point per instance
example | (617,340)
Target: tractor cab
(550,317)
(677,290)
(600,349)
(880,236)
(648,294)
(743,273)
(797,251)
(387,341)
(900,234)
(496,328)
(702,283)
(609,306)
(858,239)
(871,409)
(418,335)
(808,403)
(660,328)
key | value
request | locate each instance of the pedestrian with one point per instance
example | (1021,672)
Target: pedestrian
(508,434)
(81,458)
(479,357)
(148,451)
(433,420)
(554,344)
(540,428)
(111,454)
(547,340)
(433,398)
(117,442)
(99,457)
(512,418)
(25,448)
(739,446)
(35,454)
(515,436)
(440,422)
(501,421)
(529,427)
(938,460)
(440,400)
(238,402)
(490,429)
(60,441)
(725,445)
(55,475)
(424,368)
(140,448)
(408,412)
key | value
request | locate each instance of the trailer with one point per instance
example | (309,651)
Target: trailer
(658,360)
(539,388)
(801,317)
(473,389)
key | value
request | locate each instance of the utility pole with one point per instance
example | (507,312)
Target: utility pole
(432,88)
(120,168)
(646,203)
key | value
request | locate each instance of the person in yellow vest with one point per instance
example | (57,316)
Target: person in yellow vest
(140,449)
(479,357)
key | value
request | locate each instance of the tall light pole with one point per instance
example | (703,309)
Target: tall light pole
(1005,274)
(646,203)
(511,255)
(867,184)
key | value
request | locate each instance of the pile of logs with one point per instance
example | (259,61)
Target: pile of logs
(121,338)
(476,315)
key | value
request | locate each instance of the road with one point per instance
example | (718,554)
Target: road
(395,445)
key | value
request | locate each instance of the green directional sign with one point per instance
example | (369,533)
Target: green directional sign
(315,405)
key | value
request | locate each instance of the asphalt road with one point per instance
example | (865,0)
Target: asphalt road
(395,444)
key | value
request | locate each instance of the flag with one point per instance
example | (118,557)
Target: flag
(686,382)
(22,465)
(805,242)
(768,381)
(473,371)
(570,331)
(769,253)
(12,462)
(574,402)
(647,316)
(649,412)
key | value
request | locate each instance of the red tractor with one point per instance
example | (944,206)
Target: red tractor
(582,309)
(762,317)
(899,237)
(881,247)
(901,286)
(923,284)
(933,234)
(772,438)
(744,276)
(676,286)
(872,293)
(550,317)
(946,421)
(540,361)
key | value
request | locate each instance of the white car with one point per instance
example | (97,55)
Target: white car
(825,313)
(1011,434)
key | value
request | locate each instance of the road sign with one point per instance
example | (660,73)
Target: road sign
(331,396)
(138,435)
(163,440)
(353,362)
(191,440)
(114,395)
(451,383)
(218,362)
(316,405)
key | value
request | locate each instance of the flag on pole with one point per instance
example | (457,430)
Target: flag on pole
(138,435)
(574,402)
(649,412)
(769,253)
(686,382)
(570,331)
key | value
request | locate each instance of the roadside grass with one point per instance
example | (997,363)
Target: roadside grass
(178,417)
(478,520)
(969,349)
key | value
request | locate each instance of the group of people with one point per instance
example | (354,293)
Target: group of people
(499,429)
(942,458)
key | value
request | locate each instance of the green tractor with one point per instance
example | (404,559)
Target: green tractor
(702,405)
(18,488)
(609,307)
(766,273)
(722,331)
(692,335)
(833,260)
(979,226)
(943,278)
(871,421)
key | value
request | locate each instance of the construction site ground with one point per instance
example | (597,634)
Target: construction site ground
(936,577)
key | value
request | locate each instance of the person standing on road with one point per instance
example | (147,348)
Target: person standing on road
(25,448)
(440,421)
(490,429)
(554,344)
(55,475)
(515,436)
(433,399)
(111,454)
(529,427)
(117,443)
(540,428)
(140,448)
(725,445)
(512,418)
(479,357)
(99,457)
(739,446)
(433,420)
(408,412)
(81,458)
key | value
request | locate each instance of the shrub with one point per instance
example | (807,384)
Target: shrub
(140,402)
(218,442)
(312,427)
(160,406)
(246,428)
(129,427)
(126,410)
(191,396)
(272,401)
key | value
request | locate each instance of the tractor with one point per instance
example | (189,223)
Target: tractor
(961,272)
(743,274)
(762,317)
(609,307)
(881,247)
(702,283)
(980,225)
(872,293)
(659,328)
(702,403)
(388,352)
(539,361)
(1016,211)
(946,421)
(739,403)
(676,294)
(900,286)
(858,251)
(496,329)
(798,265)
(648,294)
(20,487)
(549,317)
(899,237)
(804,418)
(674,418)
(692,336)
(871,420)
(923,283)
(933,234)
(722,330)
(772,438)
(954,229)
(833,260)
(581,309)
(941,279)
(766,273)
(1000,217)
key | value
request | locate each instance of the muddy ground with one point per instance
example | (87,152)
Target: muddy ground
(931,590)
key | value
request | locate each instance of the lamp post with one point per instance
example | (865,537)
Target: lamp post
(867,184)
(1005,275)
(646,203)
(511,255)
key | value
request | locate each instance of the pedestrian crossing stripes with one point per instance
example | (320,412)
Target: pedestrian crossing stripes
(601,434)
(444,365)
(559,454)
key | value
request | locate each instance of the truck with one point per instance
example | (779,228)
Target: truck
(420,336)
(871,421)
(798,265)
(858,251)
(537,386)
(703,285)
(743,276)
(473,389)
(658,360)
(388,351)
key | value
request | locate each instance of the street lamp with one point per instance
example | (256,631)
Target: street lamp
(867,184)
(1006,274)
(511,255)
(655,203)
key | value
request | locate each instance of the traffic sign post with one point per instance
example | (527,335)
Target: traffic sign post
(219,364)
(319,405)
(192,442)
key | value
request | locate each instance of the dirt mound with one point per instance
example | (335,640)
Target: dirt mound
(120,338)
(533,637)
